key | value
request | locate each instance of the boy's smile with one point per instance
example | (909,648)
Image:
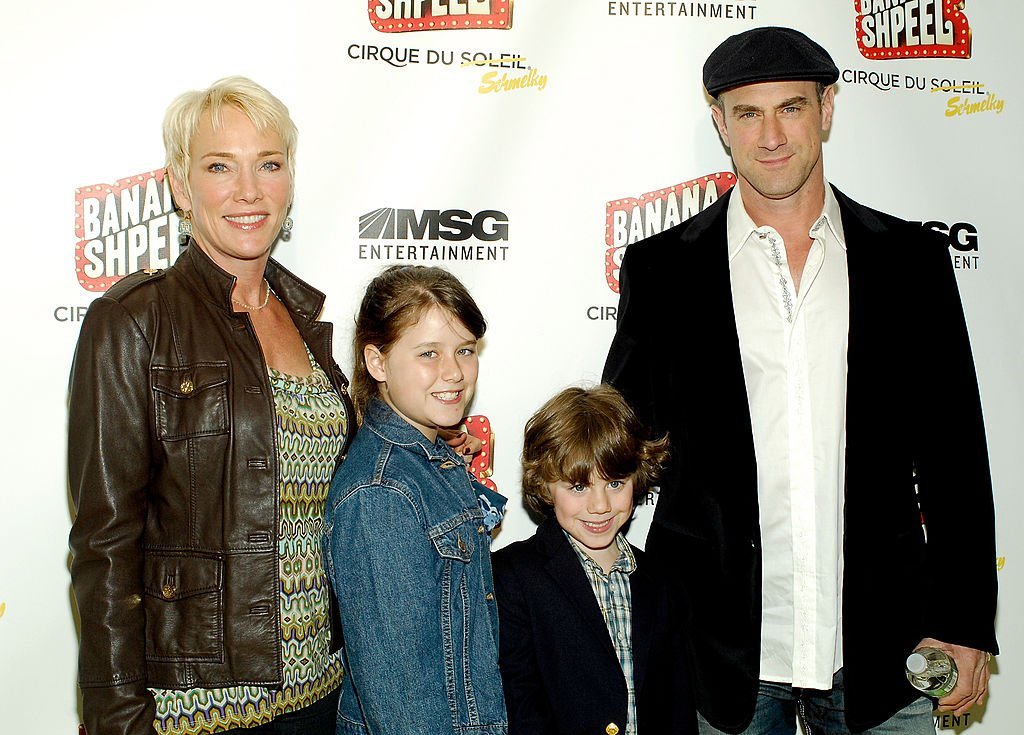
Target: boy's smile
(594,513)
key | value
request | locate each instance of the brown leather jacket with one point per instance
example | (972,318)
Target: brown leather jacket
(172,459)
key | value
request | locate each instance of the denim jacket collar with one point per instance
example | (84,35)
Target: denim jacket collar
(382,420)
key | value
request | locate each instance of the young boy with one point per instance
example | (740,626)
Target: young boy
(587,640)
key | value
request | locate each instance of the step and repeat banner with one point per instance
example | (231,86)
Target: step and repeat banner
(522,144)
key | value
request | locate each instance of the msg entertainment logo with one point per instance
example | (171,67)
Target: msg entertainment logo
(388,233)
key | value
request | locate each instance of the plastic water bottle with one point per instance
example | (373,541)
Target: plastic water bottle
(932,672)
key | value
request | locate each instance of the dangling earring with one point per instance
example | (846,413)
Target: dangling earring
(184,228)
(286,228)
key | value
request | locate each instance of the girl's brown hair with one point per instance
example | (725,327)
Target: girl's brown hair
(394,301)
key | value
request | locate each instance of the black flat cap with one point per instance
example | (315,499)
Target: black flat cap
(770,54)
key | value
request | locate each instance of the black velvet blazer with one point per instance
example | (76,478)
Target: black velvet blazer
(913,419)
(558,667)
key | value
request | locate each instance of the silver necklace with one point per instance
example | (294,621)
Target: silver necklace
(250,307)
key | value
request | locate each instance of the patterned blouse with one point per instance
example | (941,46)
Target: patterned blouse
(311,428)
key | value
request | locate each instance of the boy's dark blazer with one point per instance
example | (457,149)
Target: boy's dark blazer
(558,667)
(915,447)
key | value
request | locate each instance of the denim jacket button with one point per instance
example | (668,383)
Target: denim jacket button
(612,729)
(489,596)
(479,529)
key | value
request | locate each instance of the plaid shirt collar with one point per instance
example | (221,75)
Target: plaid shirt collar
(626,563)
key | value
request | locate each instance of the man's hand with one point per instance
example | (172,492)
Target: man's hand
(972,681)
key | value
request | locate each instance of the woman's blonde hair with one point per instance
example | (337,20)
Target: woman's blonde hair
(182,118)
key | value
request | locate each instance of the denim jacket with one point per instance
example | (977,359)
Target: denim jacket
(408,550)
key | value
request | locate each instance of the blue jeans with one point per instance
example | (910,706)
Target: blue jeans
(822,713)
(316,719)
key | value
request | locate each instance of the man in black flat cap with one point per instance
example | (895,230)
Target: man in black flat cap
(828,506)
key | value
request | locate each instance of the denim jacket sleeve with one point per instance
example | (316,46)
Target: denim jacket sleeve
(387,583)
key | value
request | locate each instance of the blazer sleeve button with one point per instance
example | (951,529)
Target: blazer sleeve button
(612,729)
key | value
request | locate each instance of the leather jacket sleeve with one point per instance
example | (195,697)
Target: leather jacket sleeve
(109,462)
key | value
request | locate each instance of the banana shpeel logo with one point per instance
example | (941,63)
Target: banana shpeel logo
(403,16)
(631,219)
(123,227)
(912,29)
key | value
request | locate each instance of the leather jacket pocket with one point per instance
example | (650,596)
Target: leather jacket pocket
(190,400)
(184,607)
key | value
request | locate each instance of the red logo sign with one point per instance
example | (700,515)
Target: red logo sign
(402,16)
(630,219)
(122,228)
(909,29)
(482,466)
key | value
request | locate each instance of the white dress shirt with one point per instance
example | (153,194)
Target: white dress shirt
(793,348)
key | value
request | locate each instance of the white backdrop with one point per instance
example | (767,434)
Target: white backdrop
(584,105)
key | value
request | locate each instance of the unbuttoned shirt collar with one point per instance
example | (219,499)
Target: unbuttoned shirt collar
(741,228)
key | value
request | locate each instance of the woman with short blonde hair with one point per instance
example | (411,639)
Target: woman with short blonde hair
(208,415)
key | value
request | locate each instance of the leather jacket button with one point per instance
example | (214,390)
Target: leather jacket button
(187,386)
(612,729)
(169,591)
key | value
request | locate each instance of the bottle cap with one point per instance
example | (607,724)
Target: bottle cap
(916,663)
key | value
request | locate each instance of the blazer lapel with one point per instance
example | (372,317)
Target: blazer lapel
(865,236)
(566,570)
(714,319)
(644,618)
(701,263)
(707,388)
